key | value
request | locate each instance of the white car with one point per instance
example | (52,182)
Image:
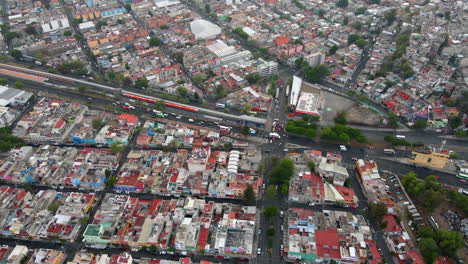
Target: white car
(343,148)
(178,117)
(191,120)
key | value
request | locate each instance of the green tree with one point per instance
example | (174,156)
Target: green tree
(67,33)
(155,42)
(353,38)
(340,117)
(270,211)
(357,25)
(432,199)
(377,211)
(253,78)
(449,241)
(159,105)
(164,27)
(342,3)
(420,124)
(182,91)
(17,54)
(179,57)
(128,7)
(228,146)
(3,81)
(311,166)
(97,123)
(18,84)
(428,249)
(393,120)
(271,191)
(117,147)
(361,43)
(245,130)
(9,36)
(207,8)
(284,189)
(333,50)
(198,79)
(390,16)
(142,82)
(316,74)
(360,11)
(455,122)
(111,76)
(111,181)
(53,207)
(454,155)
(270,232)
(84,220)
(249,193)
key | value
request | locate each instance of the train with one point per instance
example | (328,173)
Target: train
(242,119)
(166,103)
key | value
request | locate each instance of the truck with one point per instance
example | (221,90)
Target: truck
(252,132)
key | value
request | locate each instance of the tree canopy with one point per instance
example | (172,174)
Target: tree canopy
(249,193)
(316,74)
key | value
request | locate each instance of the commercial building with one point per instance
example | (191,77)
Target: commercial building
(305,97)
(203,29)
(430,159)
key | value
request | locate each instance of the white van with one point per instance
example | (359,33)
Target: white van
(220,105)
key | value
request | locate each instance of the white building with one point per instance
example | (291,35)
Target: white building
(203,29)
(315,59)
(267,68)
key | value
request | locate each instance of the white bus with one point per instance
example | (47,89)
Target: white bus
(389,151)
(225,129)
(400,137)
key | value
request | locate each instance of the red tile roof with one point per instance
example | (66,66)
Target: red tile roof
(392,225)
(328,244)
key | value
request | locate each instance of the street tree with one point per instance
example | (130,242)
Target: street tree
(270,211)
(420,124)
(159,105)
(3,81)
(393,120)
(284,189)
(18,84)
(142,82)
(117,147)
(245,130)
(377,211)
(271,191)
(17,54)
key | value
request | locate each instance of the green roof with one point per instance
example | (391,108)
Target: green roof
(92,230)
